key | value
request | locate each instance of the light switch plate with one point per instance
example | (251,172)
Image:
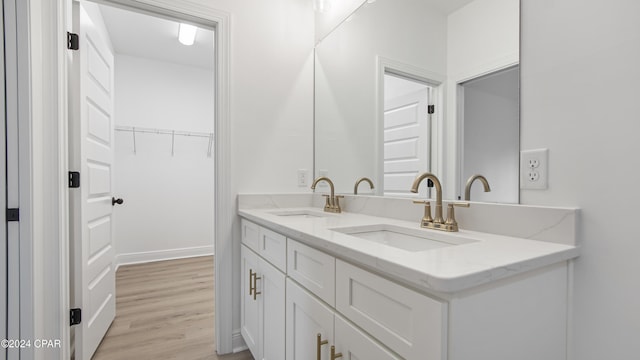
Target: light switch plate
(534,169)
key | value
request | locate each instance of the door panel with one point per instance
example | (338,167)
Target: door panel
(92,135)
(406,141)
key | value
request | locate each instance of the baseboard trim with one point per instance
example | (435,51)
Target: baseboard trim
(238,342)
(160,255)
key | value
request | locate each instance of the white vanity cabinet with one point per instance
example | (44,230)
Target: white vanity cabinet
(375,315)
(313,328)
(263,292)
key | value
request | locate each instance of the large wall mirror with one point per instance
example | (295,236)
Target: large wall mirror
(408,86)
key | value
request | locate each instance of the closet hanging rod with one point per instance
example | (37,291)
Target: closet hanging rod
(163,131)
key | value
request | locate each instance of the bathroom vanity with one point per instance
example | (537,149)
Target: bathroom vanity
(353,285)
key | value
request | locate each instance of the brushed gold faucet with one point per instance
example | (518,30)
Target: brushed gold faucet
(355,187)
(437,222)
(332,203)
(467,189)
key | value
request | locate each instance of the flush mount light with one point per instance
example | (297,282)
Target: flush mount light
(187,34)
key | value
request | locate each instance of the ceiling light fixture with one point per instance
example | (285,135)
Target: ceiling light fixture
(187,34)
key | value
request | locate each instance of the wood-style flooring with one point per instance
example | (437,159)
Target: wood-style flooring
(164,310)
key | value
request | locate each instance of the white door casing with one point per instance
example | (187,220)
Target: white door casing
(3,194)
(92,138)
(407,142)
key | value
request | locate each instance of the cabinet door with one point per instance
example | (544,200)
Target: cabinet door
(356,345)
(249,308)
(307,317)
(271,286)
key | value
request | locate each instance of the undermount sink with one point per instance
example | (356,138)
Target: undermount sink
(303,214)
(403,238)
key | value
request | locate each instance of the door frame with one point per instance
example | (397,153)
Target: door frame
(46,23)
(414,73)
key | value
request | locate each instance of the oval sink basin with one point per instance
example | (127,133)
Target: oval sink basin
(303,214)
(402,238)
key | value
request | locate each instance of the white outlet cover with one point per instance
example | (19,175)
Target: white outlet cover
(534,167)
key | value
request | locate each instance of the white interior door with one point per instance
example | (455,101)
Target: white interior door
(92,153)
(406,141)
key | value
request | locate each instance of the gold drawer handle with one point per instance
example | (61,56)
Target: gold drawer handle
(334,356)
(320,342)
(255,285)
(251,288)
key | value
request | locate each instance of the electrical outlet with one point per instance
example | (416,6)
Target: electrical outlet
(534,169)
(303,177)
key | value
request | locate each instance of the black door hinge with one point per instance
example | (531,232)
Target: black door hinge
(75,316)
(431,109)
(73,41)
(74,179)
(13,214)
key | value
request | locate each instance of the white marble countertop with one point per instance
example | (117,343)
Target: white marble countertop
(450,269)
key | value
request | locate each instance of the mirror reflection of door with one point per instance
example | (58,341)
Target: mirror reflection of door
(490,118)
(407,138)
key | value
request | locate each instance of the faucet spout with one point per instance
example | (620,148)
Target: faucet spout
(327,180)
(333,202)
(436,182)
(366,179)
(483,180)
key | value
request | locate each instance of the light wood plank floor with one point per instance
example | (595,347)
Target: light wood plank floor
(164,310)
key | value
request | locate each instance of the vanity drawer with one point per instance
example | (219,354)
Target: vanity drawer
(250,234)
(409,323)
(273,248)
(312,269)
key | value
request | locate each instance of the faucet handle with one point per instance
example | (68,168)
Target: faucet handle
(337,202)
(427,212)
(460,204)
(327,199)
(451,215)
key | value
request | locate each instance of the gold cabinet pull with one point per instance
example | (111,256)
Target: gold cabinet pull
(320,342)
(255,285)
(334,356)
(251,288)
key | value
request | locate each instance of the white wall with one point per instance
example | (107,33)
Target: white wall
(271,102)
(168,200)
(492,136)
(337,11)
(482,37)
(580,96)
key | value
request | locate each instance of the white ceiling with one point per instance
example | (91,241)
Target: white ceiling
(155,38)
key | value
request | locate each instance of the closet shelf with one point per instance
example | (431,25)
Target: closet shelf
(162,131)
